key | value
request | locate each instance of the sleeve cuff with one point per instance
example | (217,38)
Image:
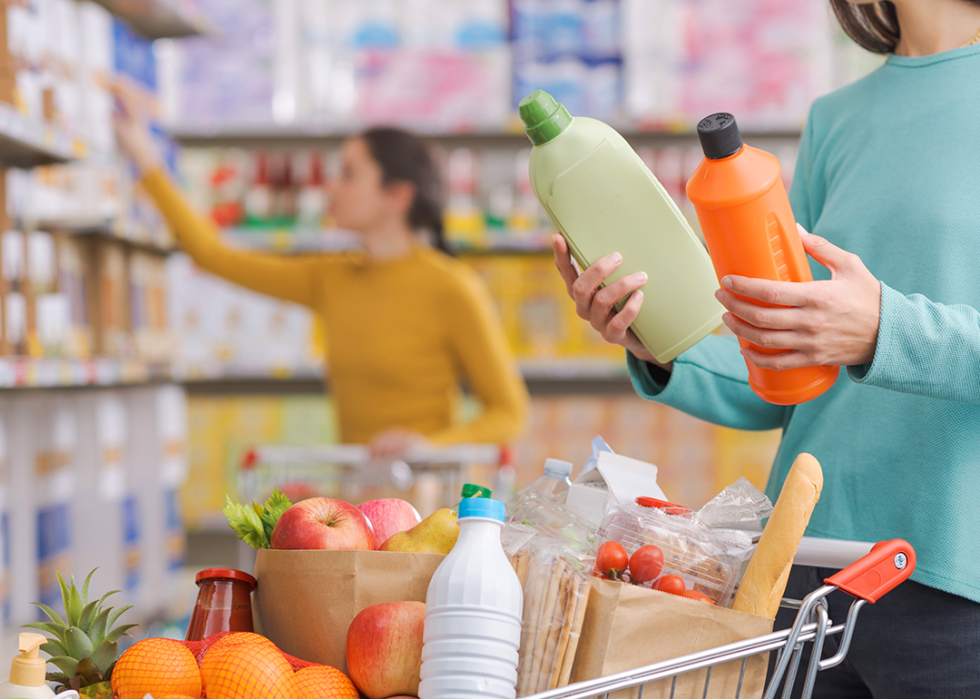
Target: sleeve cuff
(870,373)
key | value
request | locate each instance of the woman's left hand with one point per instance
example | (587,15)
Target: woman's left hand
(395,442)
(831,322)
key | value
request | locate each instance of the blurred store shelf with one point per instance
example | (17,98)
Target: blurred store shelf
(159,19)
(25,372)
(292,240)
(27,142)
(284,137)
(132,235)
(543,376)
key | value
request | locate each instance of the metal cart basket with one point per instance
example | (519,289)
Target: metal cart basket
(347,471)
(888,564)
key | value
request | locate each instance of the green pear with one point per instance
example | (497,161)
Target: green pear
(437,533)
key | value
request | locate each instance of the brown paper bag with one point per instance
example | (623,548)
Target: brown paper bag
(627,627)
(305,600)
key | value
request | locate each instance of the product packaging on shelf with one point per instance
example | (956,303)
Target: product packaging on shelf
(4,522)
(109,299)
(101,466)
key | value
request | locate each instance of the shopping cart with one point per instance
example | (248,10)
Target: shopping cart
(347,471)
(888,564)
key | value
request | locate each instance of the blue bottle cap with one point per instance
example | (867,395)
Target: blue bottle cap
(482,507)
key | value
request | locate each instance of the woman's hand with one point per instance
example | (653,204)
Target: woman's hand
(396,442)
(596,304)
(132,132)
(824,322)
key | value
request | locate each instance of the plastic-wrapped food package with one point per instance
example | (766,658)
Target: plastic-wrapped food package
(555,580)
(554,520)
(708,560)
(741,503)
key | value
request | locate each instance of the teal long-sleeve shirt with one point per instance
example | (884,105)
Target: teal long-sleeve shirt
(889,169)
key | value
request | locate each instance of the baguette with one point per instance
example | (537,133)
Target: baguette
(765,579)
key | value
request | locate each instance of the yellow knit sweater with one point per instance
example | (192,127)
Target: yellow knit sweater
(402,333)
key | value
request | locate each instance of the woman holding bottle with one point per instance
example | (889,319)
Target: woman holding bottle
(888,182)
(406,322)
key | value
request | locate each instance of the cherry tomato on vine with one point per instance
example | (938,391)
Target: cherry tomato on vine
(672,584)
(611,560)
(646,563)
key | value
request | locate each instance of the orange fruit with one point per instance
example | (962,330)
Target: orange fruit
(321,682)
(157,666)
(245,666)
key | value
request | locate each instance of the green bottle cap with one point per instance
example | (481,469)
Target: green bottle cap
(470,490)
(543,117)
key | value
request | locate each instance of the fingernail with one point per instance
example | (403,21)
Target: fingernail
(726,318)
(639,295)
(615,258)
(719,295)
(727,282)
(801,229)
(640,277)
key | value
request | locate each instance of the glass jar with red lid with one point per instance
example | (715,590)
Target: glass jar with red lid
(224,603)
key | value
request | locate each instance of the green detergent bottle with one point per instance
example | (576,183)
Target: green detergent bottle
(603,199)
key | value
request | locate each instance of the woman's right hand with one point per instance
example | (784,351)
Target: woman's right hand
(132,131)
(596,304)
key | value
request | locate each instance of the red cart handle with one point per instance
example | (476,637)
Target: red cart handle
(888,564)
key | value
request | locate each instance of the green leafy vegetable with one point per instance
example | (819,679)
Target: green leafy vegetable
(254,523)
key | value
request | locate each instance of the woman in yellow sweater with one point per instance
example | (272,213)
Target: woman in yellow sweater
(406,322)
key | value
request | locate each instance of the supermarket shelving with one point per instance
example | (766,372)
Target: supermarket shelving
(105,228)
(159,19)
(27,372)
(29,142)
(288,240)
(543,376)
(288,137)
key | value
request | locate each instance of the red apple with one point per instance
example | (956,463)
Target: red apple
(323,523)
(389,516)
(384,649)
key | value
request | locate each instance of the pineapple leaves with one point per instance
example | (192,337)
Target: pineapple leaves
(97,630)
(254,523)
(106,596)
(49,627)
(78,643)
(119,632)
(52,614)
(88,579)
(71,598)
(118,613)
(104,656)
(57,678)
(88,613)
(67,665)
(53,648)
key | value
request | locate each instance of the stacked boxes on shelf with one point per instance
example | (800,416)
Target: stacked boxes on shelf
(435,64)
(573,50)
(96,474)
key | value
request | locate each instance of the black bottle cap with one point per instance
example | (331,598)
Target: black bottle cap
(719,136)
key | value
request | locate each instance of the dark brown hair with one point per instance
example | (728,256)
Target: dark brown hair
(404,157)
(873,26)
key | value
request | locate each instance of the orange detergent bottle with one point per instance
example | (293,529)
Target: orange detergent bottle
(747,222)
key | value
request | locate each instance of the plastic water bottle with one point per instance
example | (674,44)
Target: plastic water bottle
(473,613)
(553,484)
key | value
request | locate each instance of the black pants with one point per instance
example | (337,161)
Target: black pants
(916,641)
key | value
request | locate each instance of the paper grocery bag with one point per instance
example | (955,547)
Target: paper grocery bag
(305,601)
(627,627)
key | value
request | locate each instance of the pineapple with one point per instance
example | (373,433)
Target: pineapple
(83,648)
